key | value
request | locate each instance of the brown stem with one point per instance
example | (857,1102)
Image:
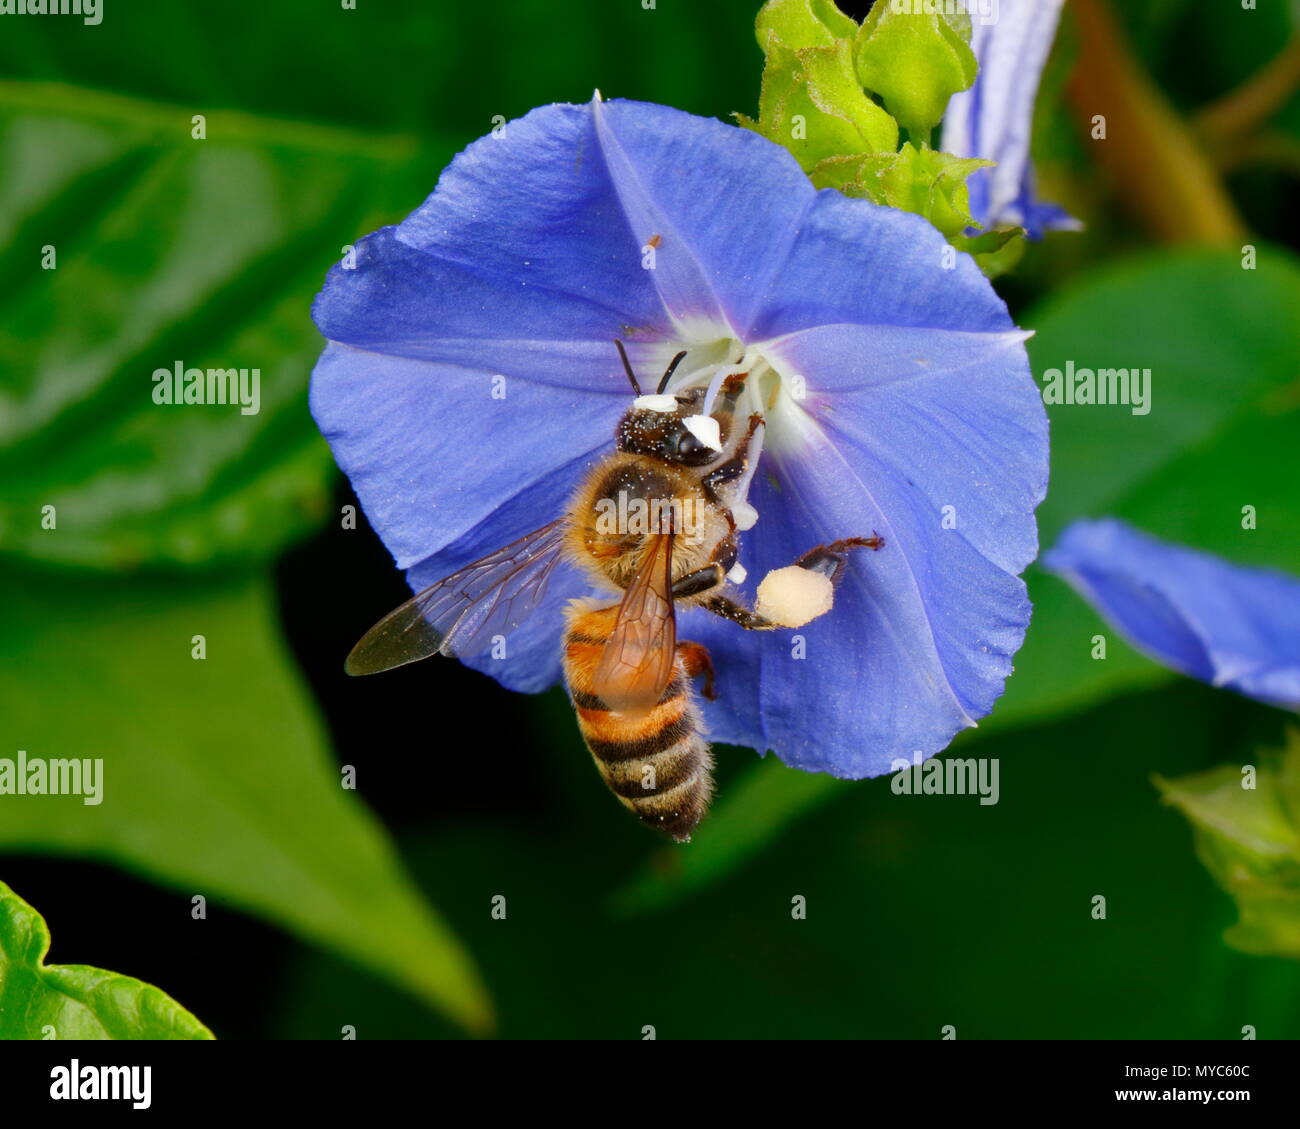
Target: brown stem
(1256,100)
(1156,166)
(1270,149)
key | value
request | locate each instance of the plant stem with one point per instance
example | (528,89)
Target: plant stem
(1255,101)
(1157,167)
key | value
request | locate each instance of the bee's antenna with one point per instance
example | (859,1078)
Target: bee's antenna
(627,366)
(672,368)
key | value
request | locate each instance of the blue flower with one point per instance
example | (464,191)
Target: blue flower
(471,379)
(993,120)
(1219,622)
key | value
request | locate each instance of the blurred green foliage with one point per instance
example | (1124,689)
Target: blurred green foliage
(1247,820)
(323,123)
(217,778)
(921,911)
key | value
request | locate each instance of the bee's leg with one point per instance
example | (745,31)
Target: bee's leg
(734,467)
(697,662)
(713,574)
(730,609)
(730,393)
(830,559)
(701,580)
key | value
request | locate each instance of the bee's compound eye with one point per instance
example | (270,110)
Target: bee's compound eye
(684,443)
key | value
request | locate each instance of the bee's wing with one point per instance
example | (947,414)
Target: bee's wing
(637,661)
(459,614)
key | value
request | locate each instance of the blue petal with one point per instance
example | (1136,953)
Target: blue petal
(726,203)
(432,455)
(940,418)
(1218,622)
(993,120)
(540,234)
(860,263)
(403,302)
(527,261)
(919,642)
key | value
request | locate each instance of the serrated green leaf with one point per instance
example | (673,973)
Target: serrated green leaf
(1249,840)
(73,1001)
(916,62)
(215,776)
(811,101)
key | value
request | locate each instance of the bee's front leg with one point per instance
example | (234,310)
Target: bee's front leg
(734,467)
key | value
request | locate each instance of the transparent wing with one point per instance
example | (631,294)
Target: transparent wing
(459,614)
(637,662)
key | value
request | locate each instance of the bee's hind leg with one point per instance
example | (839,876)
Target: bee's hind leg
(698,663)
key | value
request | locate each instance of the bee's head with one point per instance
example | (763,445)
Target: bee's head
(671,428)
(667,426)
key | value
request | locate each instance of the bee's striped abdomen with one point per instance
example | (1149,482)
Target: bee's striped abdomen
(658,764)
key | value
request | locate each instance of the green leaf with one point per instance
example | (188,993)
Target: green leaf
(811,101)
(215,776)
(916,62)
(1223,347)
(924,181)
(1249,840)
(73,1001)
(205,252)
(168,250)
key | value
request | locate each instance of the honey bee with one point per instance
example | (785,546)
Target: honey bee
(659,520)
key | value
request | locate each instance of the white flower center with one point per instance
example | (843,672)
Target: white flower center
(771,388)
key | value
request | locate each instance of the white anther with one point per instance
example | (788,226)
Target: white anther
(655,403)
(706,430)
(737,574)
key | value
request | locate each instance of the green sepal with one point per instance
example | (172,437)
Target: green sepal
(923,181)
(915,62)
(811,102)
(996,252)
